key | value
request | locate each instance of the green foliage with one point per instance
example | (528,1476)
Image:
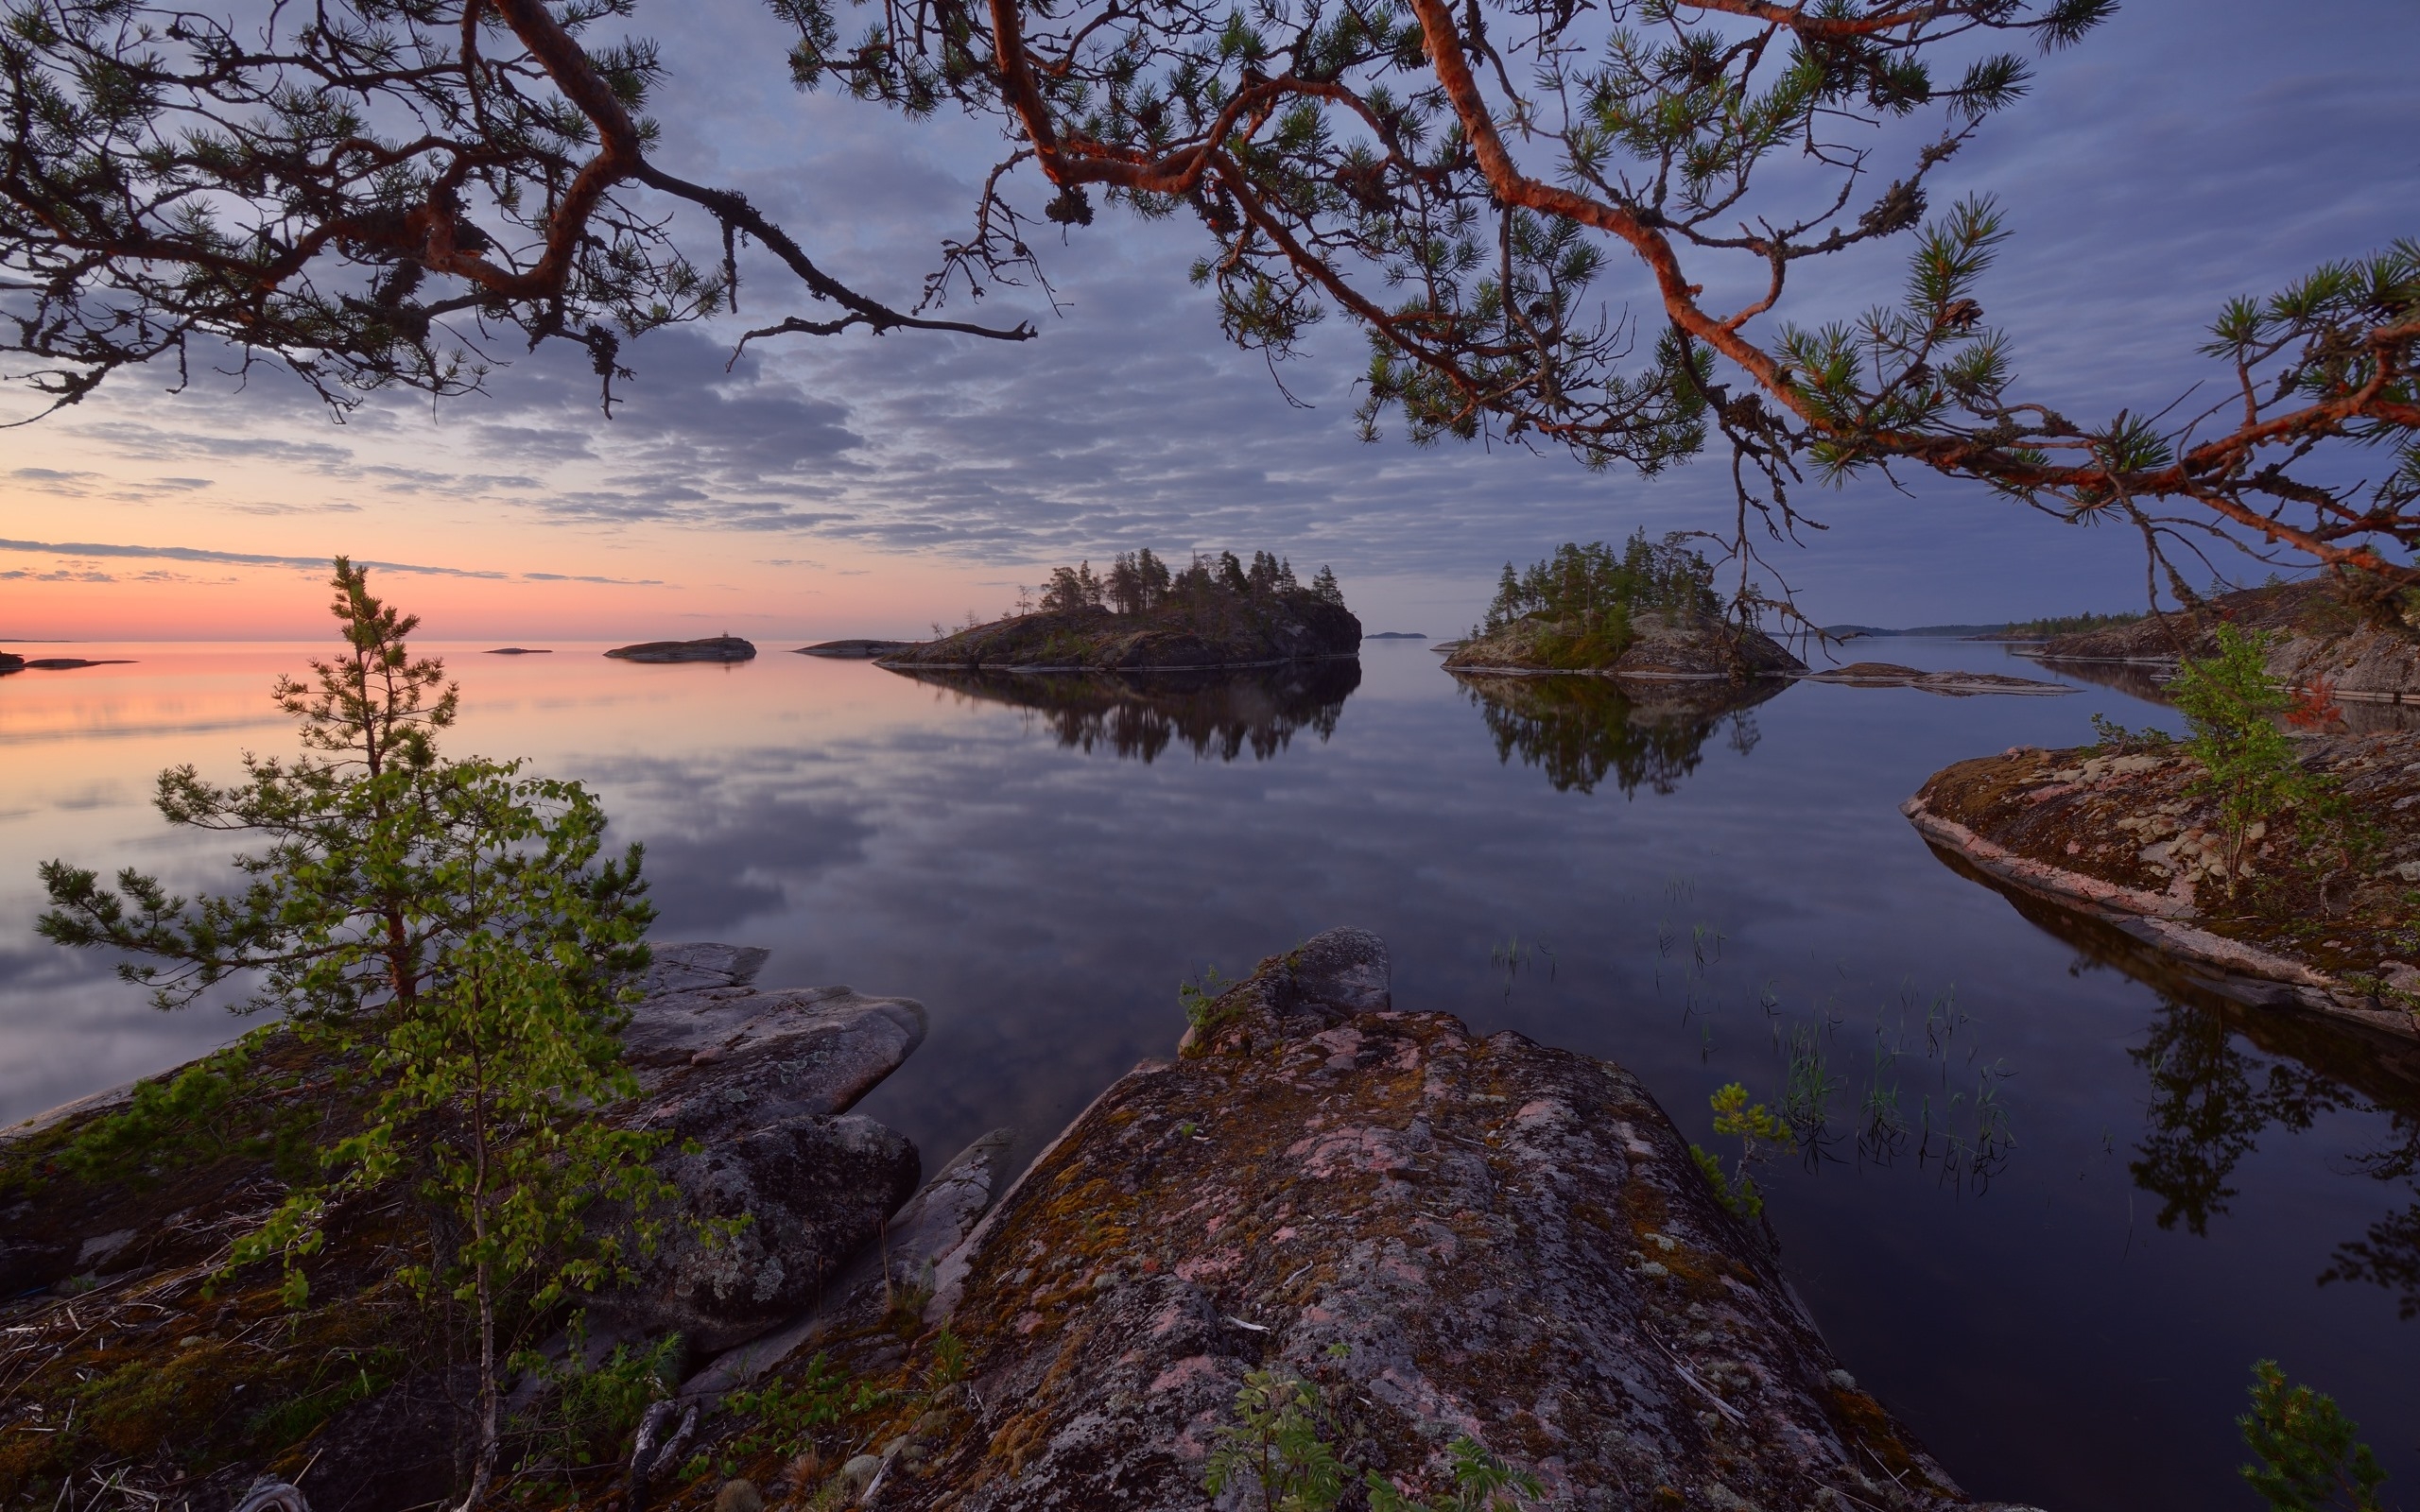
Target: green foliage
(2113,737)
(1279,1446)
(1590,596)
(2248,765)
(783,1417)
(197,1116)
(1200,1003)
(592,1406)
(1482,1482)
(447,927)
(2071,623)
(2310,1458)
(1756,1127)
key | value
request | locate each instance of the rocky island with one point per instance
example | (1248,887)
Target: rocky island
(713,649)
(1359,1208)
(1140,616)
(2317,918)
(1646,612)
(11,662)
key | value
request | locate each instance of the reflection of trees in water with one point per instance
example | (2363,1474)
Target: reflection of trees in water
(2210,1104)
(1220,715)
(1580,730)
(2222,1074)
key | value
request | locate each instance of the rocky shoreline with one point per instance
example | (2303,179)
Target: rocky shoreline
(1373,1203)
(2121,840)
(2318,638)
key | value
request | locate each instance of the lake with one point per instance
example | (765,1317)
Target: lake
(2048,1213)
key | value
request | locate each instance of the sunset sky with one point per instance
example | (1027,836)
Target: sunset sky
(875,484)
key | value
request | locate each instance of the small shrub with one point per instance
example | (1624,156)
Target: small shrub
(1754,1126)
(784,1418)
(593,1408)
(2310,1458)
(2113,738)
(2247,764)
(1482,1482)
(1277,1443)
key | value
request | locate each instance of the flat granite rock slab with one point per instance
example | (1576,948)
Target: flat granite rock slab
(1450,1236)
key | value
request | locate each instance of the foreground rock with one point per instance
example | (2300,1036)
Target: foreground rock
(2365,657)
(1948,684)
(2120,838)
(1446,1236)
(118,1347)
(1212,628)
(713,649)
(1660,645)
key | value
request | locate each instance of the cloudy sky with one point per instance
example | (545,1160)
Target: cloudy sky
(866,484)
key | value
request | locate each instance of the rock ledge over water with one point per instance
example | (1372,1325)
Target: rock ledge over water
(1449,1236)
(2122,838)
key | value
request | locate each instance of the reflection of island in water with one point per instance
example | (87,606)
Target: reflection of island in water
(2213,1100)
(2149,682)
(1581,728)
(1218,713)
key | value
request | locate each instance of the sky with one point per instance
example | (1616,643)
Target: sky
(879,486)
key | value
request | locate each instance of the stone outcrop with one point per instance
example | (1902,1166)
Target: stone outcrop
(2318,638)
(2124,839)
(1212,628)
(1448,1237)
(713,649)
(1676,645)
(111,1276)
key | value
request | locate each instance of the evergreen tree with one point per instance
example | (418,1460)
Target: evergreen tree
(1154,574)
(1231,573)
(444,924)
(1325,589)
(1123,587)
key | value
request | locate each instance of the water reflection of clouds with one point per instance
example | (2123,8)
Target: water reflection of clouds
(1045,904)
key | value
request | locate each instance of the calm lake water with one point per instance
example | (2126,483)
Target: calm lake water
(2093,1208)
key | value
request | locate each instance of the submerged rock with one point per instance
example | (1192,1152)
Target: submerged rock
(713,649)
(1948,684)
(1445,1236)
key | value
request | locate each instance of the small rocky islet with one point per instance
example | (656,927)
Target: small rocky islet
(712,648)
(1211,615)
(1375,1203)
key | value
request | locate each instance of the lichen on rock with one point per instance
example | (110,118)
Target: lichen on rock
(1450,1237)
